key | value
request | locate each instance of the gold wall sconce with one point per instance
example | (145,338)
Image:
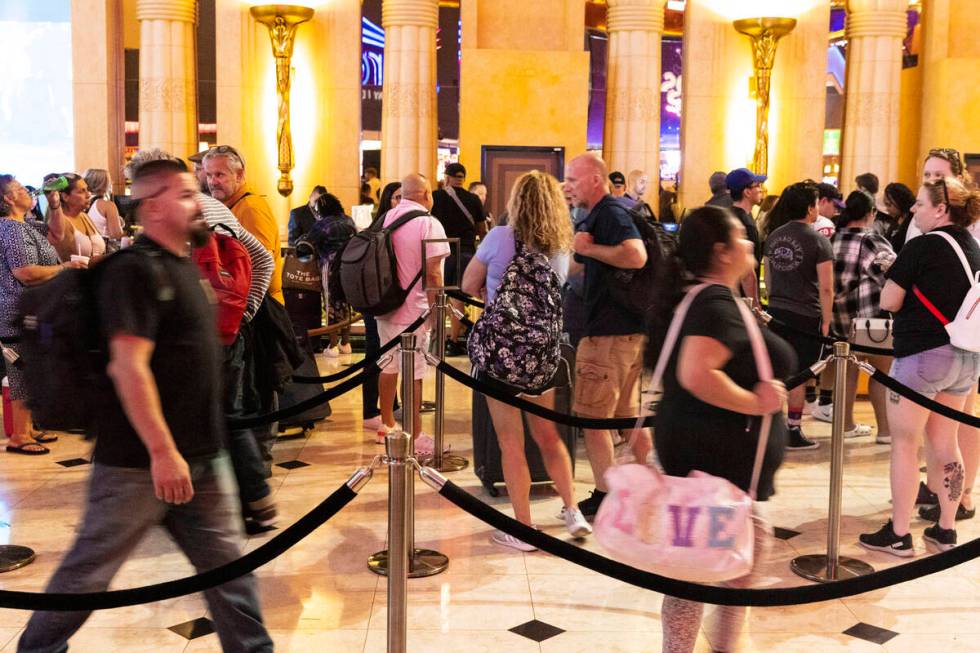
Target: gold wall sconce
(283,21)
(764,34)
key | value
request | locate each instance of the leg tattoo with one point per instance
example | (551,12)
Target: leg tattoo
(894,397)
(953,480)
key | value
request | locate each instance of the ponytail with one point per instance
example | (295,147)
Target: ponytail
(858,205)
(703,228)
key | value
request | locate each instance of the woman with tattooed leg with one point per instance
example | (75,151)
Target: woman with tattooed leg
(926,284)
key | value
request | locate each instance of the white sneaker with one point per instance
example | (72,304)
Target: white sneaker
(373,424)
(823,413)
(882,438)
(425,446)
(331,352)
(345,348)
(575,522)
(505,539)
(808,407)
(859,430)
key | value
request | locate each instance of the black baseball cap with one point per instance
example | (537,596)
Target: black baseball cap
(830,192)
(616,178)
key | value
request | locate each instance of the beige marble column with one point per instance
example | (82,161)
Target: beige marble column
(632,132)
(875,29)
(168,75)
(98,93)
(408,109)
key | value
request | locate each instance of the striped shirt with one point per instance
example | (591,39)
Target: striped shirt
(262,266)
(857,279)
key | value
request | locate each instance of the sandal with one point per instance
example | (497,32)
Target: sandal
(45,437)
(28,449)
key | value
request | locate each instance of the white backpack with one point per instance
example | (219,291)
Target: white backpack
(964,330)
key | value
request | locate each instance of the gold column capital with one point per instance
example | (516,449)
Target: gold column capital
(423,13)
(174,10)
(630,15)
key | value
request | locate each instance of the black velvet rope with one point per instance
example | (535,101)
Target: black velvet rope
(799,378)
(925,402)
(466,299)
(160,591)
(302,406)
(571,420)
(534,409)
(360,365)
(710,593)
(827,340)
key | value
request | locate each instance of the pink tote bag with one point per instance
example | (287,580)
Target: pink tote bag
(697,528)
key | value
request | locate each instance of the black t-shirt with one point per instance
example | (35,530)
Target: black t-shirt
(609,223)
(929,263)
(751,229)
(690,434)
(150,293)
(454,221)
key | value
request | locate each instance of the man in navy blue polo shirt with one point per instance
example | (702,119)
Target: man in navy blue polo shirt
(609,359)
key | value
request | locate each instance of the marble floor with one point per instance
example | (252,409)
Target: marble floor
(320,596)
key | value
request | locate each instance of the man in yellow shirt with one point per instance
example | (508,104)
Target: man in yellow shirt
(225,170)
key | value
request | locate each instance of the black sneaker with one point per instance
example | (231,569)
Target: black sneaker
(926,496)
(589,507)
(886,540)
(798,441)
(931,513)
(944,539)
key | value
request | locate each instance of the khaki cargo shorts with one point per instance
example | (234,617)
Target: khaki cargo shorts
(607,376)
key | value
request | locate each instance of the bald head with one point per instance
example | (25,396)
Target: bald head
(586,179)
(416,188)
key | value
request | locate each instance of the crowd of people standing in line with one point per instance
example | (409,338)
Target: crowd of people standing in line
(821,263)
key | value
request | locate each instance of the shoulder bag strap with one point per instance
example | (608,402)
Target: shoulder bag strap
(235,203)
(959,252)
(408,217)
(763,365)
(452,193)
(673,331)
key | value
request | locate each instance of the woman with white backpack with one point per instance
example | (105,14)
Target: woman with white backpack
(715,397)
(932,292)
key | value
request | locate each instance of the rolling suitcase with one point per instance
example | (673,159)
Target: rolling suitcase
(294,393)
(305,308)
(486,450)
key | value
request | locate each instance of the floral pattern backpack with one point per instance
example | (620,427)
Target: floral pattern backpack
(517,340)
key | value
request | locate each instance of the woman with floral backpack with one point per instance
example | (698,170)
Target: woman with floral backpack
(519,269)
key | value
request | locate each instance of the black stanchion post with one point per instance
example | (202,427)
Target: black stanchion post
(419,562)
(832,567)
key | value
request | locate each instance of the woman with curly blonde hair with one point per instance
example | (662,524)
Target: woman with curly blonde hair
(538,223)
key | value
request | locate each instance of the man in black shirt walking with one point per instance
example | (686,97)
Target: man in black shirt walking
(747,193)
(159,453)
(461,215)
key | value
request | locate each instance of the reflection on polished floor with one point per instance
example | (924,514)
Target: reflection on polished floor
(319,596)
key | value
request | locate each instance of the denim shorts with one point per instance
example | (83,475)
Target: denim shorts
(943,369)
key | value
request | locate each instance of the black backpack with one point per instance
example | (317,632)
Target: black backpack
(64,357)
(635,290)
(369,271)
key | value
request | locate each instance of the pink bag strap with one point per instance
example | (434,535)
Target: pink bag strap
(759,353)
